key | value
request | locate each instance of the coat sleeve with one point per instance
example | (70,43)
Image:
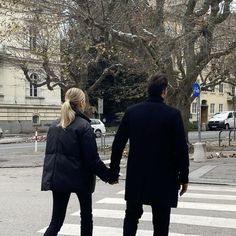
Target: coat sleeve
(90,155)
(181,149)
(118,145)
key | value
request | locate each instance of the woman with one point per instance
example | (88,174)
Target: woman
(71,160)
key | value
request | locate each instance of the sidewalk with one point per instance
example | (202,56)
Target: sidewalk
(219,168)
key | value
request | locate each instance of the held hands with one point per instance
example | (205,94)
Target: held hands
(113,178)
(183,188)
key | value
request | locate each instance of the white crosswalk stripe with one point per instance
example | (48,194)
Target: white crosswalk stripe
(73,229)
(208,207)
(190,205)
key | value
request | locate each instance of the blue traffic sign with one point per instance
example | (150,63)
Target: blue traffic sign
(196,89)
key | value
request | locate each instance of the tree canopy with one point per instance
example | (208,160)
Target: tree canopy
(98,45)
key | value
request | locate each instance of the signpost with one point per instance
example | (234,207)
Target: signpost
(234,97)
(100,107)
(199,148)
(196,90)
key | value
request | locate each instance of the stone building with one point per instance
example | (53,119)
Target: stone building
(24,106)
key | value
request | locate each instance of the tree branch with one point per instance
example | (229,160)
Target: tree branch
(112,70)
(204,9)
(160,16)
(217,55)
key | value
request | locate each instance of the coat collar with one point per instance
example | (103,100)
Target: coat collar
(155,99)
(78,113)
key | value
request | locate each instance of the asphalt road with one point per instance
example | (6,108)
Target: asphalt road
(25,210)
(193,137)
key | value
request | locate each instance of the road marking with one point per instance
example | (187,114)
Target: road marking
(212,188)
(201,171)
(204,196)
(219,188)
(74,229)
(185,205)
(209,196)
(217,222)
(206,220)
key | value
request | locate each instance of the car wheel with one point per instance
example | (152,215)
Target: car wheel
(98,133)
(227,126)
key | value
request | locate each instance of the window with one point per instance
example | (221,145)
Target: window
(33,86)
(212,108)
(230,115)
(221,88)
(194,108)
(1,89)
(35,119)
(32,38)
(233,90)
(220,107)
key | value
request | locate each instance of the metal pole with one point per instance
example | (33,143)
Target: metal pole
(104,143)
(234,114)
(199,118)
(36,140)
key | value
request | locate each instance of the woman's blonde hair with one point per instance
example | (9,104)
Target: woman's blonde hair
(73,99)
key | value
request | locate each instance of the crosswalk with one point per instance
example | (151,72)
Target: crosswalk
(204,210)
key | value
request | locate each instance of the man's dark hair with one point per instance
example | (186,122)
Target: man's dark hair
(156,84)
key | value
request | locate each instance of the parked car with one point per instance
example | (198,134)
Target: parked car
(223,120)
(98,127)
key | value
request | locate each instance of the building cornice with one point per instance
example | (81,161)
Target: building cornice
(30,106)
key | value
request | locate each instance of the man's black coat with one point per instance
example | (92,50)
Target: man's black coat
(158,153)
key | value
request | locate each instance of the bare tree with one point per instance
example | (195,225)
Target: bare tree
(180,38)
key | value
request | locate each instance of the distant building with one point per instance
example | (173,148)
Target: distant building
(212,102)
(24,106)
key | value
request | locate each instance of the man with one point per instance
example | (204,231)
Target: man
(158,161)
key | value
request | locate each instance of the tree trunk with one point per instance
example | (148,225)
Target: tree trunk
(182,102)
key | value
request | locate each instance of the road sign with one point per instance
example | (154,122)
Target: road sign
(100,106)
(196,89)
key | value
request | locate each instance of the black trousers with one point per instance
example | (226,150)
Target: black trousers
(160,219)
(60,202)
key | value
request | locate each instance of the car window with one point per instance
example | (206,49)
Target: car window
(220,116)
(230,115)
(95,122)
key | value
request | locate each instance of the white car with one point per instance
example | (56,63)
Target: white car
(223,120)
(98,127)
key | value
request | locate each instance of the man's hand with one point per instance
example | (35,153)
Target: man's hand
(112,177)
(183,188)
(113,182)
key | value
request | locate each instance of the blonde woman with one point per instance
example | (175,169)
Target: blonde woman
(71,160)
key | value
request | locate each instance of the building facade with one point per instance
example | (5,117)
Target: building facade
(220,98)
(23,106)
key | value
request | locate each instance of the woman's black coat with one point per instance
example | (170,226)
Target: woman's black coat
(158,153)
(71,158)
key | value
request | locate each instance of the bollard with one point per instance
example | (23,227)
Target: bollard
(199,154)
(36,140)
